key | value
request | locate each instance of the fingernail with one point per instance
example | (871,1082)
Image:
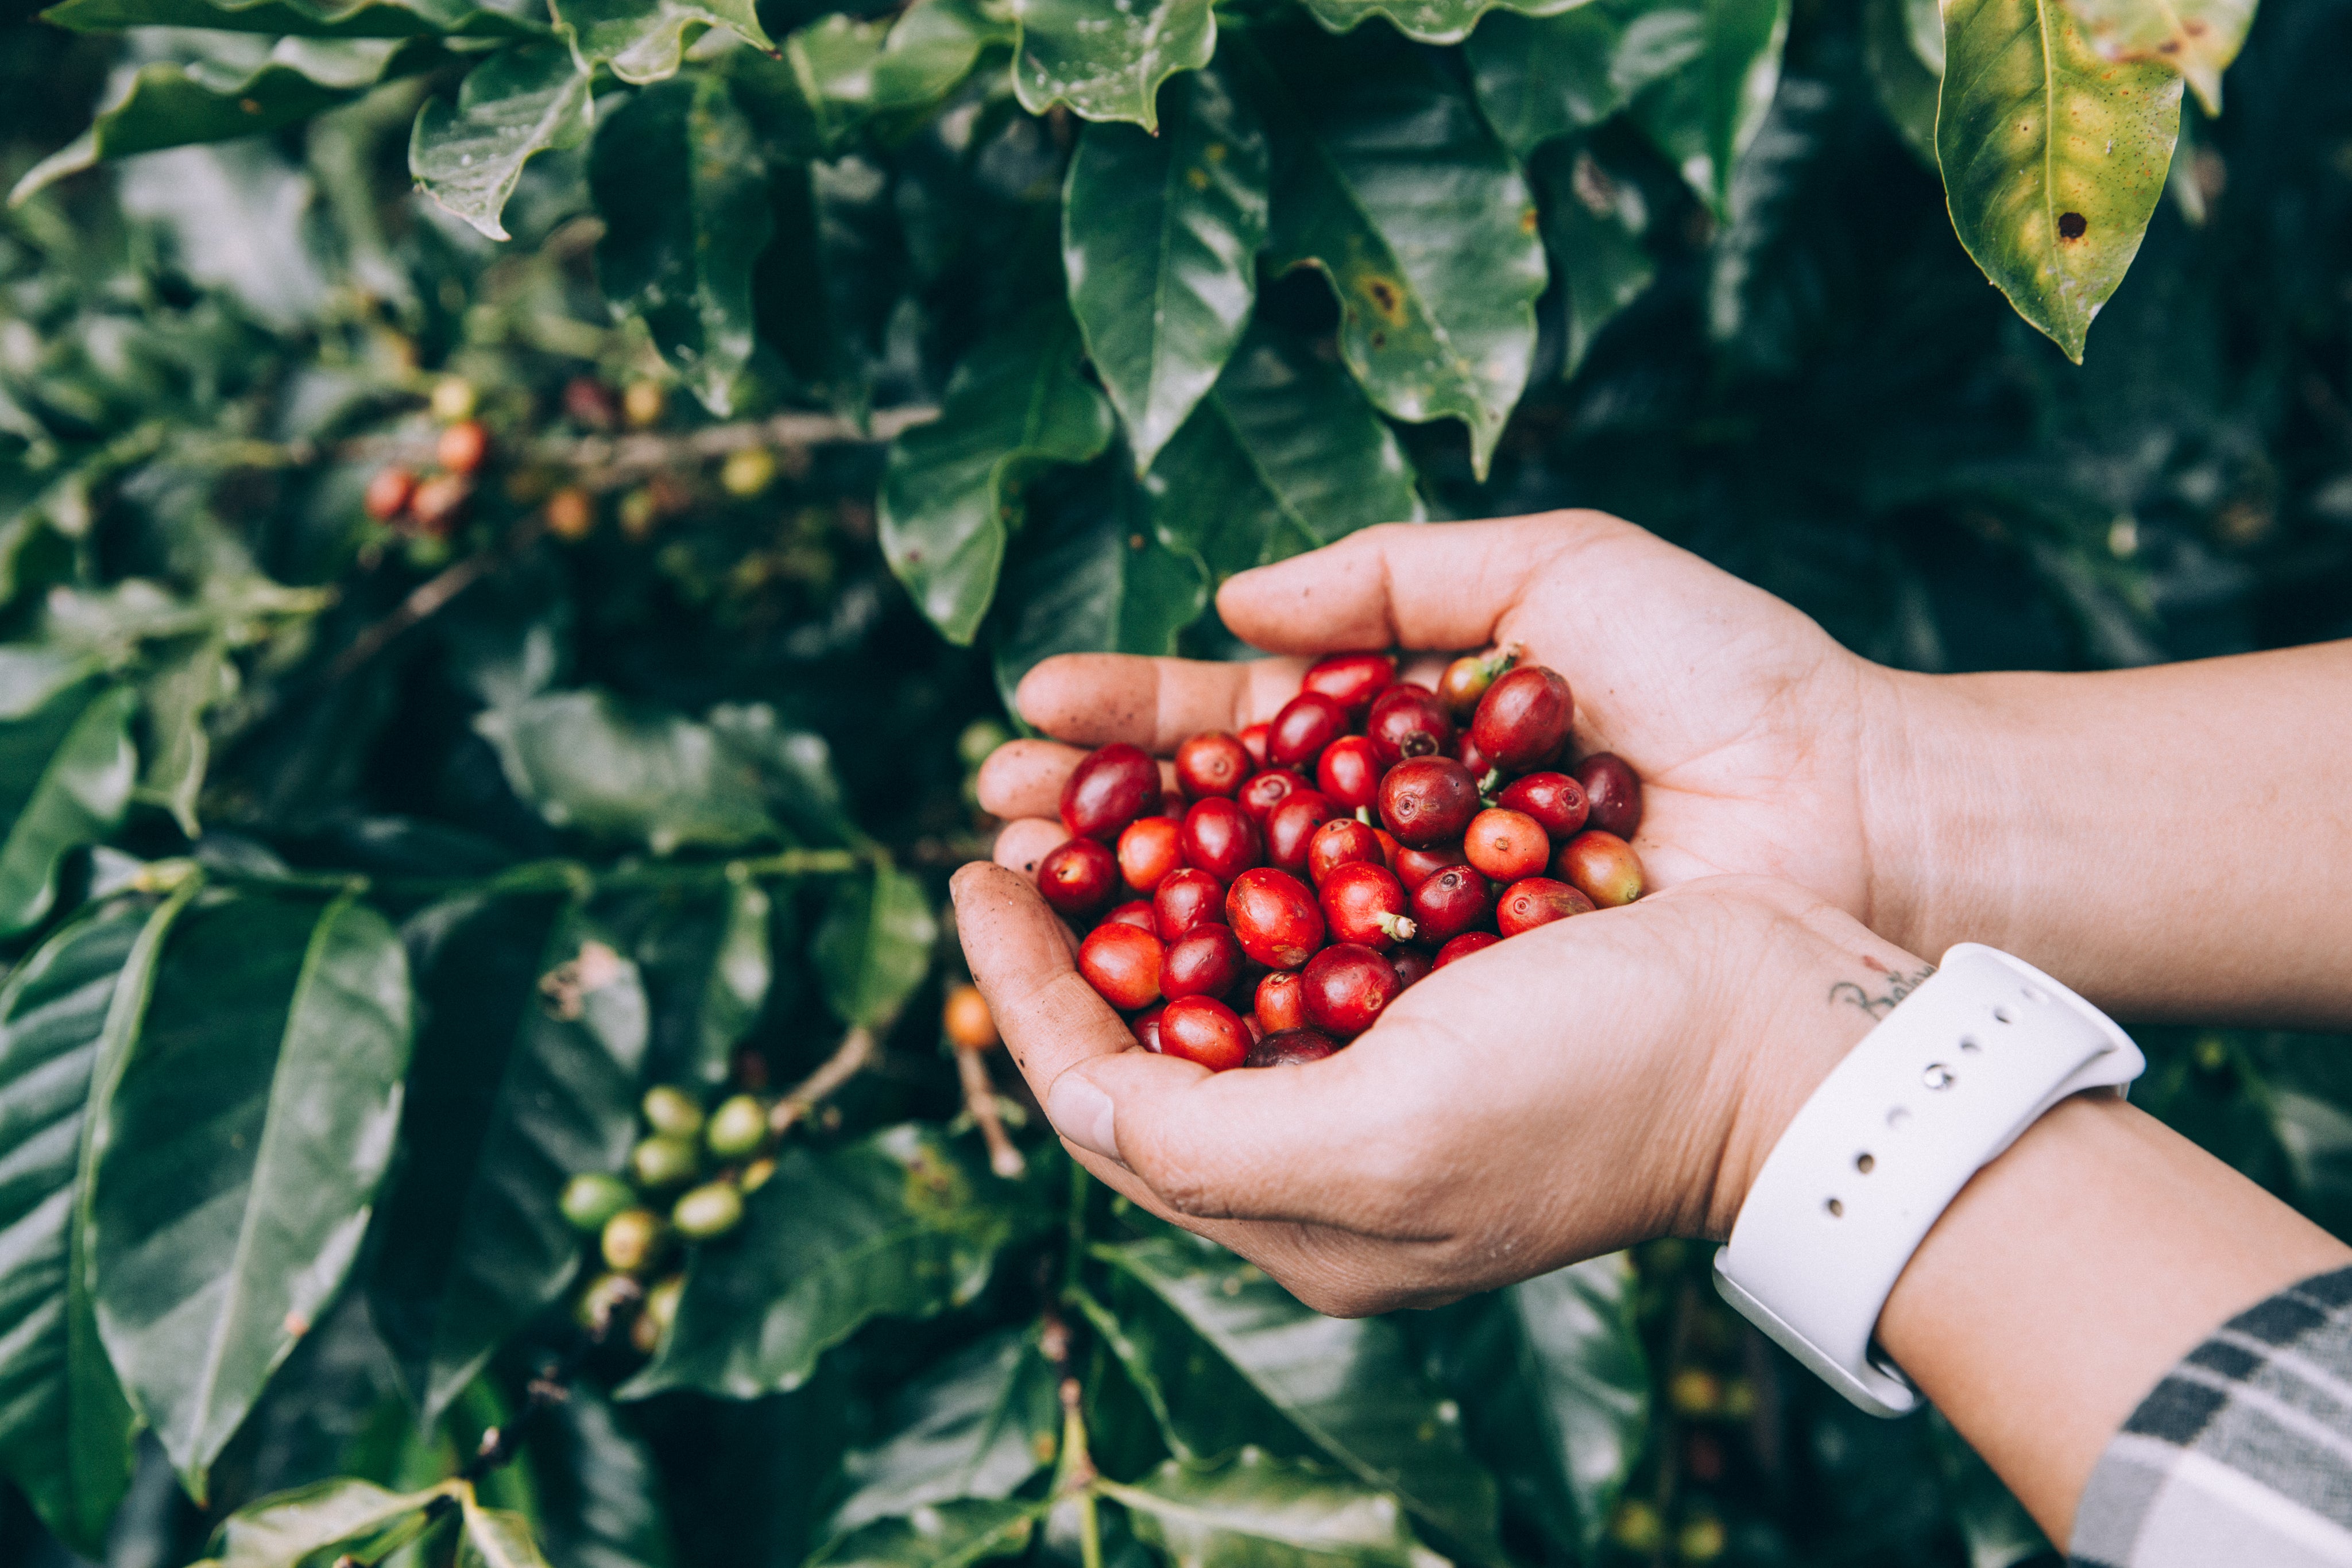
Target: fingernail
(1082,1113)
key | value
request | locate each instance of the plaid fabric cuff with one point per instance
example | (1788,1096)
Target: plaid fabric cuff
(2242,1454)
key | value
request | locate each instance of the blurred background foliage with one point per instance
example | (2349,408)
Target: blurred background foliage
(626,758)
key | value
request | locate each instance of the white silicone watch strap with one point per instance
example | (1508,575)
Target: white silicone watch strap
(1960,1068)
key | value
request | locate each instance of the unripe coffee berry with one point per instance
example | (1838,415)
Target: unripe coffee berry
(1352,680)
(1204,1030)
(1462,947)
(1415,866)
(1264,791)
(1366,905)
(1077,877)
(1122,963)
(1149,849)
(1407,720)
(1603,866)
(1214,763)
(1428,799)
(710,1210)
(1467,678)
(1504,845)
(739,1125)
(454,397)
(1292,827)
(1345,987)
(659,1162)
(672,1112)
(1137,912)
(1553,799)
(1537,901)
(1306,723)
(1108,789)
(388,491)
(965,1020)
(1349,771)
(603,1297)
(592,1198)
(1614,790)
(1219,838)
(756,1174)
(1343,840)
(659,1315)
(631,1240)
(1290,1047)
(1204,964)
(571,514)
(1187,899)
(1276,918)
(1449,903)
(1278,1006)
(1524,718)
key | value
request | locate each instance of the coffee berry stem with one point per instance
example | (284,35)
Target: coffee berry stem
(1399,927)
(852,1056)
(979,1099)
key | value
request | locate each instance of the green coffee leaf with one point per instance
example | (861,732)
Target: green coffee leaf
(187,684)
(513,106)
(643,41)
(599,1494)
(66,773)
(2054,156)
(71,1457)
(1906,86)
(304,18)
(1260,1512)
(874,946)
(795,768)
(1539,77)
(976,1425)
(1284,457)
(1429,21)
(240,1157)
(678,179)
(951,1535)
(1387,180)
(532,1036)
(952,489)
(900,1224)
(589,763)
(1593,225)
(1238,1360)
(2199,38)
(494,1538)
(841,78)
(1704,115)
(1159,242)
(741,970)
(1107,60)
(292,1527)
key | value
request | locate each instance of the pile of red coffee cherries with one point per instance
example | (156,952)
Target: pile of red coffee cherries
(1318,866)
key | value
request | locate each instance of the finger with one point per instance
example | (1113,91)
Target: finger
(1411,585)
(1025,841)
(1050,1017)
(1024,778)
(1094,699)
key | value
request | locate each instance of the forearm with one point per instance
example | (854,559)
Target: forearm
(2173,842)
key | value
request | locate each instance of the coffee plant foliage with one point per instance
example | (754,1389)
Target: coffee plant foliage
(366,856)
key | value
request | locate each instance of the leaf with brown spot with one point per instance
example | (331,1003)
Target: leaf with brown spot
(2197,37)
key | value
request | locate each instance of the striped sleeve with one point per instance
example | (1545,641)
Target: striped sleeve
(2242,1454)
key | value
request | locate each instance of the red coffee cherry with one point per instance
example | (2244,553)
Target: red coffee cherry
(1603,866)
(1109,790)
(1122,963)
(439,503)
(464,446)
(1204,1029)
(1276,918)
(1505,845)
(1366,905)
(1415,866)
(1352,680)
(1615,792)
(1349,771)
(1213,763)
(1466,752)
(1145,1027)
(1306,723)
(1344,987)
(1204,964)
(1149,849)
(1136,913)
(1462,947)
(1411,965)
(1523,720)
(1278,1004)
(1343,841)
(1537,901)
(1290,1047)
(1077,877)
(1264,792)
(1219,838)
(1407,720)
(1427,799)
(1554,800)
(1292,826)
(388,490)
(1187,901)
(1449,903)
(1252,739)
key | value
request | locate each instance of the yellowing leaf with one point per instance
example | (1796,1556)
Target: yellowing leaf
(2197,37)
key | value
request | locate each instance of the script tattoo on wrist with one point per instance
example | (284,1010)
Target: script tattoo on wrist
(1890,986)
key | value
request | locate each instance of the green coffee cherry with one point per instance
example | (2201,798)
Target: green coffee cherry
(738,1127)
(658,1163)
(712,1209)
(591,1198)
(755,1174)
(1700,1540)
(1637,1527)
(748,472)
(980,737)
(603,1296)
(631,1239)
(672,1112)
(454,398)
(660,1310)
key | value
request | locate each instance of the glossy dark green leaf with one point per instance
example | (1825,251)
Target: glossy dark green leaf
(951,1535)
(1283,456)
(742,969)
(530,1038)
(952,489)
(796,768)
(1261,1512)
(976,1425)
(71,1458)
(2053,158)
(588,762)
(1541,77)
(66,774)
(1703,116)
(1107,60)
(678,179)
(874,946)
(2199,38)
(1159,242)
(293,1527)
(516,104)
(644,41)
(1593,225)
(1906,86)
(1430,21)
(239,1160)
(187,684)
(842,78)
(600,1495)
(1388,180)
(303,19)
(493,1537)
(900,1224)
(1349,1391)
